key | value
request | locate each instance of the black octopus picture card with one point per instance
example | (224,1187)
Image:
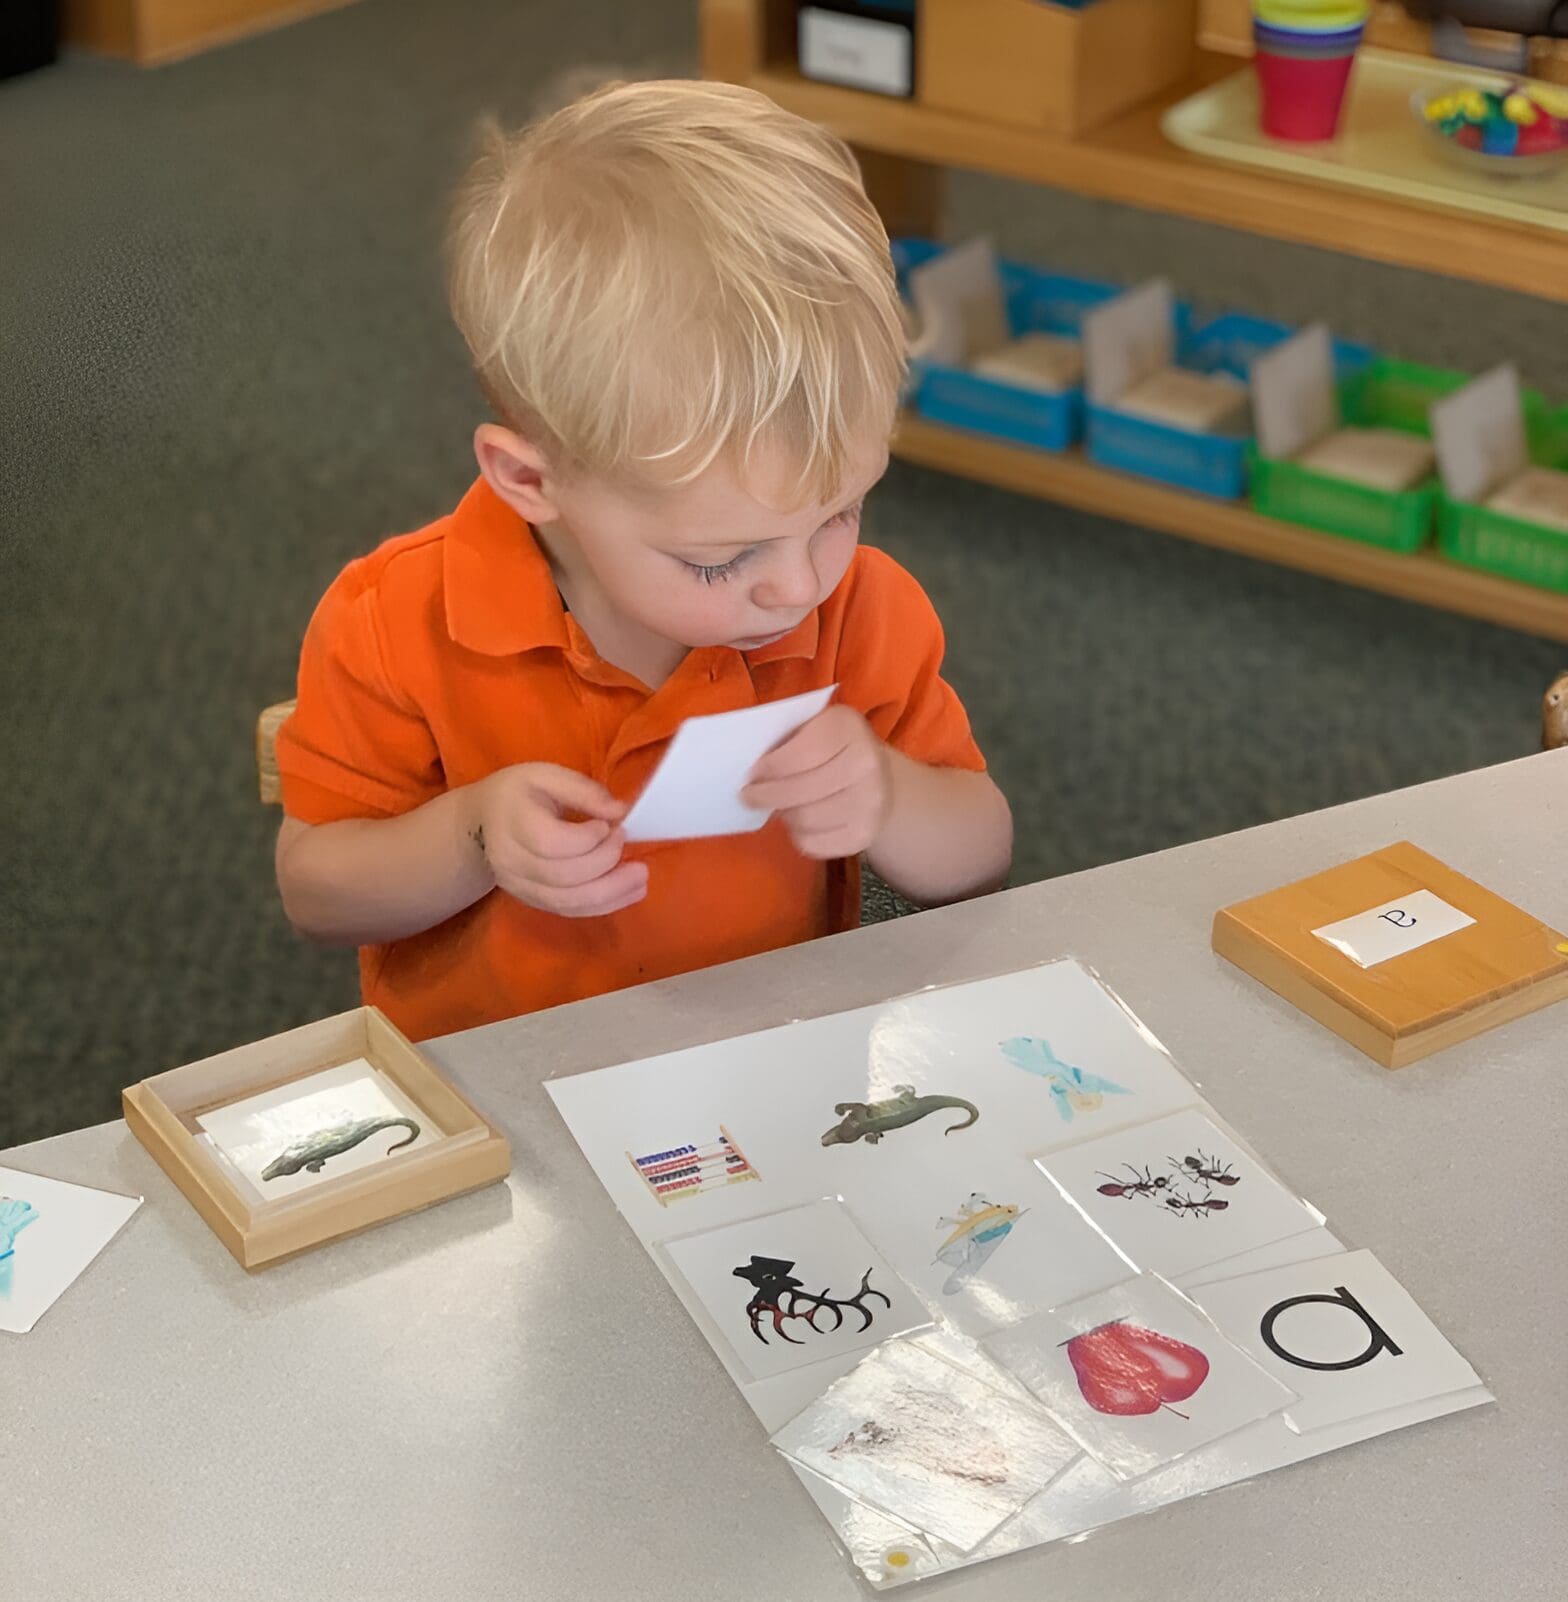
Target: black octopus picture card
(1177,1194)
(795,1287)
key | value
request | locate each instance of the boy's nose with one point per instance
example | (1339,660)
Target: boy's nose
(789,589)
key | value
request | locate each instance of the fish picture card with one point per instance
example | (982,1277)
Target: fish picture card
(1177,1194)
(931,1445)
(685,1171)
(310,1130)
(1138,1375)
(1006,1245)
(1340,1330)
(795,1287)
(695,790)
(49,1232)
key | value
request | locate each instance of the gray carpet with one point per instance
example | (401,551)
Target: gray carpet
(228,369)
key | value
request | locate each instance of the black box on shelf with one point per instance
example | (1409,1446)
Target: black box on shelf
(29,35)
(862,44)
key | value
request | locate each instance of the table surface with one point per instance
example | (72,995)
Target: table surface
(500,1398)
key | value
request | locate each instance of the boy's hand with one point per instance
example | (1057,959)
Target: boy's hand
(520,818)
(831,782)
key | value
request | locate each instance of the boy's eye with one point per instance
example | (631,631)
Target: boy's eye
(717,574)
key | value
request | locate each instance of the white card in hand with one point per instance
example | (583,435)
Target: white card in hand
(695,790)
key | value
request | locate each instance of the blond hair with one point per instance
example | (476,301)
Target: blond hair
(663,273)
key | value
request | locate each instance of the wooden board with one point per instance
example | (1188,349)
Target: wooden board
(1130,160)
(1500,967)
(152,32)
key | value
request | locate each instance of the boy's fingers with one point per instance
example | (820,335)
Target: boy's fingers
(563,873)
(619,888)
(780,793)
(810,746)
(550,838)
(568,791)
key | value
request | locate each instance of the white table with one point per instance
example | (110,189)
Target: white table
(501,1399)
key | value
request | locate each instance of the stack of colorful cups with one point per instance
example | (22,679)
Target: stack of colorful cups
(1305,50)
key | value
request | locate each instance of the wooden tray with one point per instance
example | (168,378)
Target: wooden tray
(1503,965)
(1381,146)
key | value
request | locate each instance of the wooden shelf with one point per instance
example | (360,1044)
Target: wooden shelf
(1070,479)
(1130,160)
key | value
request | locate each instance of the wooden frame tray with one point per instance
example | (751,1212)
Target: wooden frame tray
(1381,146)
(1502,965)
(162,1113)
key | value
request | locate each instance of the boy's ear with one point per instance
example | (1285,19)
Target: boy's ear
(517,471)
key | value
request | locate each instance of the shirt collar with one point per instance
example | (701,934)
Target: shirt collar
(501,596)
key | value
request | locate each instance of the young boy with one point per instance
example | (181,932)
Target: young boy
(681,307)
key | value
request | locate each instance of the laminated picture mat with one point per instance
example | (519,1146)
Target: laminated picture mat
(931,1173)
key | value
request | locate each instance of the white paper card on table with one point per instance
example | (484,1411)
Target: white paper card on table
(49,1232)
(1394,928)
(958,298)
(1129,339)
(1479,434)
(695,791)
(1177,1194)
(314,1129)
(795,1287)
(929,1444)
(1138,1375)
(1340,1330)
(1294,402)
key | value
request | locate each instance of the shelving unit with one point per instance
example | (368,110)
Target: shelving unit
(906,148)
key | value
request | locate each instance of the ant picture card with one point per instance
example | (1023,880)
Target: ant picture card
(1138,1375)
(795,1287)
(929,1444)
(1177,1194)
(1129,339)
(314,1129)
(49,1232)
(1340,1330)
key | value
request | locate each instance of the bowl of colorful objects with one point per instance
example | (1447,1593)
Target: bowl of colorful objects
(1510,128)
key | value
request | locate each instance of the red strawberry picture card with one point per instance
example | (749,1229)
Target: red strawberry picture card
(1138,1375)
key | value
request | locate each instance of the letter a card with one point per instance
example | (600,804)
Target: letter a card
(1341,1331)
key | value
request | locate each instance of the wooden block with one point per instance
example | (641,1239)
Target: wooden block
(1209,403)
(161,1112)
(1040,66)
(1537,495)
(1381,458)
(1049,362)
(1501,966)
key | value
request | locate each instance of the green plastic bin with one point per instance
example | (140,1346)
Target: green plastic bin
(1386,394)
(1508,546)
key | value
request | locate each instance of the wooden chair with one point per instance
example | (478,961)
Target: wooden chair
(267,726)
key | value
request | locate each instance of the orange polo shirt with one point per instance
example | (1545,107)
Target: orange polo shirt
(447,654)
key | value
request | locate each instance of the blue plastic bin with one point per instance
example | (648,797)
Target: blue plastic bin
(1036,302)
(1207,464)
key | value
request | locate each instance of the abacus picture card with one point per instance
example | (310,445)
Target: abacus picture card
(1137,1375)
(794,1287)
(1343,1332)
(695,791)
(49,1232)
(1177,1194)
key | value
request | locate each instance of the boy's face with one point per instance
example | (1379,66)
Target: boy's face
(716,562)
